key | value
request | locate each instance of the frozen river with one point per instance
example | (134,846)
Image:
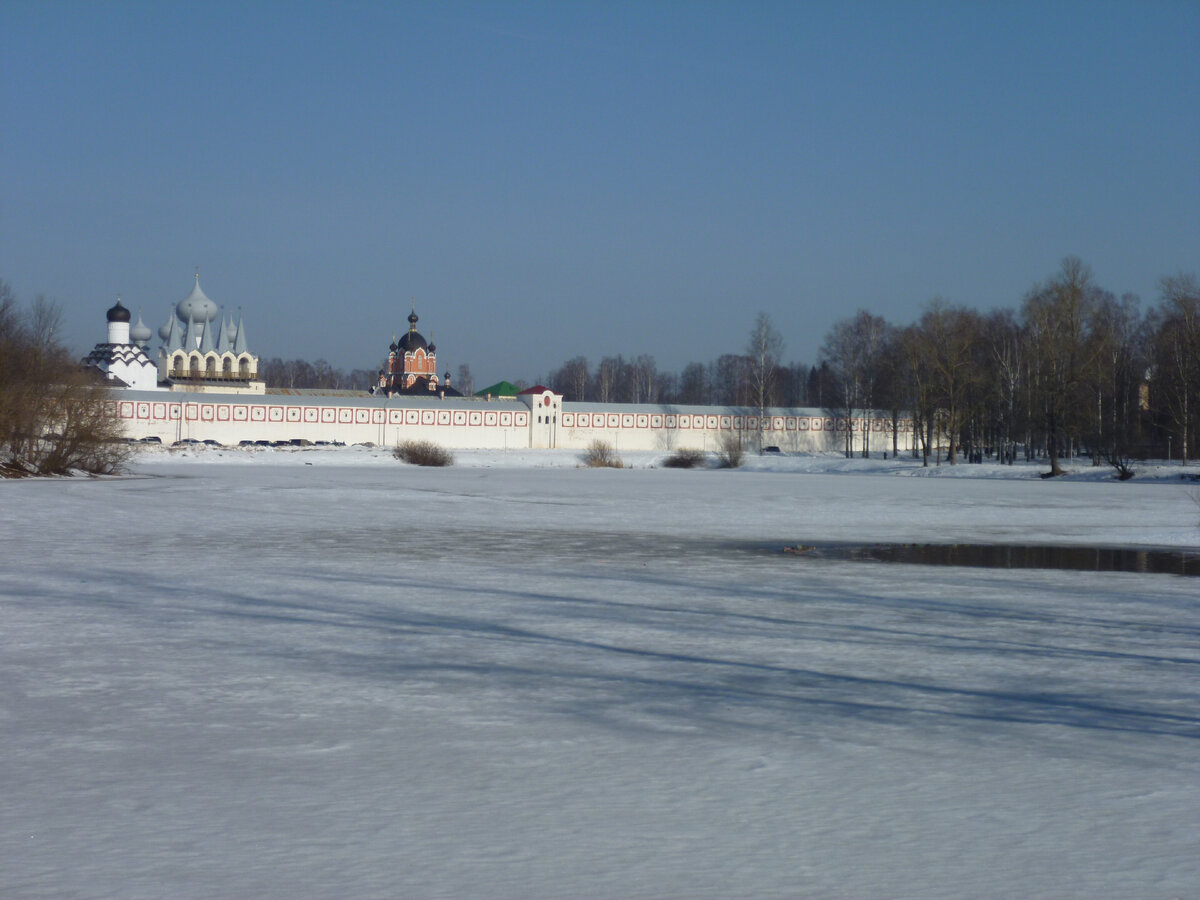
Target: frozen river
(326,674)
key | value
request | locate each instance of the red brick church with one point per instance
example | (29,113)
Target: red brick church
(412,366)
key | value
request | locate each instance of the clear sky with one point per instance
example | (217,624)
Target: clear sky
(553,179)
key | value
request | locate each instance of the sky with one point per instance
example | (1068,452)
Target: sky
(548,180)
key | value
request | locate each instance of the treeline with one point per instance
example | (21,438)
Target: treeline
(54,416)
(320,375)
(300,373)
(1073,369)
(725,381)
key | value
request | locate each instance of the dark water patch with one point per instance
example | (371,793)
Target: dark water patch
(1011,556)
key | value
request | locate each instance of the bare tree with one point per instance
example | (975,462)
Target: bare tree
(1176,380)
(464,381)
(891,391)
(1057,315)
(666,387)
(949,334)
(763,351)
(1118,363)
(608,375)
(853,350)
(693,384)
(571,379)
(915,352)
(728,380)
(54,416)
(1005,344)
(643,374)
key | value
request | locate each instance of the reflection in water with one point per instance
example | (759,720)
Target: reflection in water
(1012,556)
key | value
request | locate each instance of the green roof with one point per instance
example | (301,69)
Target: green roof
(499,389)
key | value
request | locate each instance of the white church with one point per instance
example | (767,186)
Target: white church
(202,351)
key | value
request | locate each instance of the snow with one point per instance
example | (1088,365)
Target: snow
(323,673)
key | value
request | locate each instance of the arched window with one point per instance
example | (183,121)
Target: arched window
(211,367)
(244,368)
(227,367)
(197,367)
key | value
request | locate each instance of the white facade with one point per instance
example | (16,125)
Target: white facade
(121,359)
(531,421)
(204,350)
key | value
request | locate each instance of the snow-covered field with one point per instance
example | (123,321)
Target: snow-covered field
(322,673)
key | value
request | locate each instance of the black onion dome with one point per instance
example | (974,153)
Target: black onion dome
(412,317)
(411,342)
(118,313)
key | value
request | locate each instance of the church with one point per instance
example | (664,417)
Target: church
(412,367)
(202,350)
(122,359)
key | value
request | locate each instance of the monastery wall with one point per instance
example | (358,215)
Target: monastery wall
(670,428)
(539,420)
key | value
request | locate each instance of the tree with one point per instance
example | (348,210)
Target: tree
(853,350)
(693,385)
(948,339)
(1118,362)
(362,379)
(326,376)
(914,351)
(1176,355)
(464,381)
(571,379)
(728,380)
(793,384)
(1002,343)
(643,379)
(891,391)
(1057,316)
(763,351)
(820,388)
(54,416)
(608,376)
(666,388)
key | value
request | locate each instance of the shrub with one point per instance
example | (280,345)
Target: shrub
(730,452)
(600,455)
(684,459)
(423,453)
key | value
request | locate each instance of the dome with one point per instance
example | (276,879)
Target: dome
(139,333)
(118,313)
(197,306)
(412,341)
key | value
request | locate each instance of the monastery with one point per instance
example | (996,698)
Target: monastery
(203,386)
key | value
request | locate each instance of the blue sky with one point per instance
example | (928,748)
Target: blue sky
(553,179)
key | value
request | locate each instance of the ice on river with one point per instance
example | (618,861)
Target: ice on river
(327,674)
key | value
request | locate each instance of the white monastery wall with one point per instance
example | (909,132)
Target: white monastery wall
(539,420)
